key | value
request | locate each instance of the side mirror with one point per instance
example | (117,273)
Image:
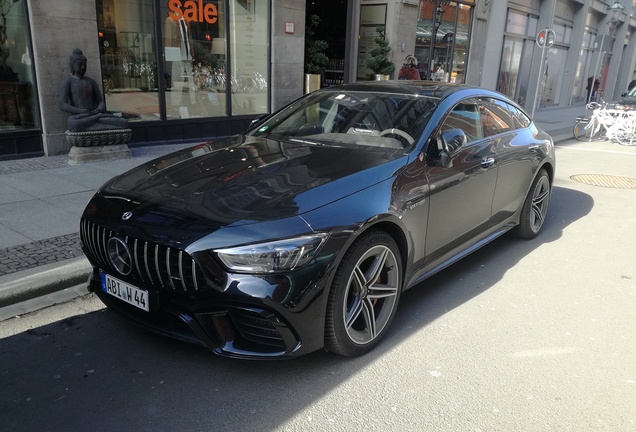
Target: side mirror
(453,141)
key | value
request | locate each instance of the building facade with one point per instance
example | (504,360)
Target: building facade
(194,69)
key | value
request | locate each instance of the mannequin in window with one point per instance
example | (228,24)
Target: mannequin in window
(81,97)
(178,34)
(440,75)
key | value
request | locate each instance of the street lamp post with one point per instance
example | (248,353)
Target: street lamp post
(437,21)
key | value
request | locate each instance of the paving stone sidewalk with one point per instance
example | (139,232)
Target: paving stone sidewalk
(31,255)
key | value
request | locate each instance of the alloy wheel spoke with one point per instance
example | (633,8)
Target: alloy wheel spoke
(355,290)
(382,292)
(373,273)
(368,314)
(354,313)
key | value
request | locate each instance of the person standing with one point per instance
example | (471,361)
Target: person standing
(592,89)
(409,69)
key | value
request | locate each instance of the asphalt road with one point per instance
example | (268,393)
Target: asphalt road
(520,336)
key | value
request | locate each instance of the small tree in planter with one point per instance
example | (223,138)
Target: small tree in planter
(315,58)
(379,62)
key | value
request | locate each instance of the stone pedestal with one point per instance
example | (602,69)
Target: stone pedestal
(81,155)
(97,146)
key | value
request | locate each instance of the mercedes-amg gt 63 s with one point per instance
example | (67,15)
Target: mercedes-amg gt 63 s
(302,233)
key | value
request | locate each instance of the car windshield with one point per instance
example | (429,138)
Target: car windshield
(389,120)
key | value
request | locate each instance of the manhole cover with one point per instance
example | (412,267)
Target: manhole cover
(608,181)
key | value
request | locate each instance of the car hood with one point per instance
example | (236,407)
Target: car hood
(243,179)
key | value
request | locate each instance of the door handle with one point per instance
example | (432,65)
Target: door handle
(487,162)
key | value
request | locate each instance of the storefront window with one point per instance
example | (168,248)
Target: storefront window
(194,58)
(17,93)
(554,70)
(517,57)
(249,21)
(442,39)
(167,59)
(128,57)
(510,62)
(583,67)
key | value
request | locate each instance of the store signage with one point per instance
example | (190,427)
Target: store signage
(191,10)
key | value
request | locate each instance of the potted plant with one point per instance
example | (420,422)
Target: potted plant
(379,62)
(315,58)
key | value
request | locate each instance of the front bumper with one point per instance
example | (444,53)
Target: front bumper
(231,324)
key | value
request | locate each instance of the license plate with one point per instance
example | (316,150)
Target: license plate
(123,291)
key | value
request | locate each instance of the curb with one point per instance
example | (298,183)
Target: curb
(558,139)
(43,280)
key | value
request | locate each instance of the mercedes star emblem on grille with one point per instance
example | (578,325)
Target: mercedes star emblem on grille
(119,255)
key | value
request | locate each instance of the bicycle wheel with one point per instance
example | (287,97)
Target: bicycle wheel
(626,135)
(580,129)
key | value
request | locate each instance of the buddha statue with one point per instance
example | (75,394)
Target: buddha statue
(81,97)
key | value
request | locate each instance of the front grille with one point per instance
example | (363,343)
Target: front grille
(158,265)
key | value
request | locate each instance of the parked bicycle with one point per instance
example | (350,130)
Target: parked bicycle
(607,122)
(590,128)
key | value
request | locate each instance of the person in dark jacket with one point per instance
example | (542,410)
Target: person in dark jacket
(591,94)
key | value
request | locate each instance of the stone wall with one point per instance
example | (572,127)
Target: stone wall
(288,52)
(59,26)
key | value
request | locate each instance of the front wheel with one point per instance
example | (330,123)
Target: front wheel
(364,295)
(535,208)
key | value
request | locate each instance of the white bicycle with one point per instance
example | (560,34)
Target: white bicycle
(623,131)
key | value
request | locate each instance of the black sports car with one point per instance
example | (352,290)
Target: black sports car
(302,233)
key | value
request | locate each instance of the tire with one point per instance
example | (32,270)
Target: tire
(535,208)
(627,134)
(364,295)
(579,131)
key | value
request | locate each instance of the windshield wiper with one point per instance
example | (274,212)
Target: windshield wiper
(301,141)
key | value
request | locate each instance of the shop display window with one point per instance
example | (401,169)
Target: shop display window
(18,107)
(194,44)
(249,48)
(442,39)
(167,59)
(127,44)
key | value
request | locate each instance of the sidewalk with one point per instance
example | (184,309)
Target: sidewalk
(41,201)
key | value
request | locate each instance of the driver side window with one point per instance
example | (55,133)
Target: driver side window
(464,116)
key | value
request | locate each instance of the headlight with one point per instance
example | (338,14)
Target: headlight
(276,256)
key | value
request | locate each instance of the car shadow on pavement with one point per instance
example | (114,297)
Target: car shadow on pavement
(99,372)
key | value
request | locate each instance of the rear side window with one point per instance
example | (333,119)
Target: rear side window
(496,117)
(519,118)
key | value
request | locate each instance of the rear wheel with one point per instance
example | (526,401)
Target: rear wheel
(579,130)
(364,295)
(535,208)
